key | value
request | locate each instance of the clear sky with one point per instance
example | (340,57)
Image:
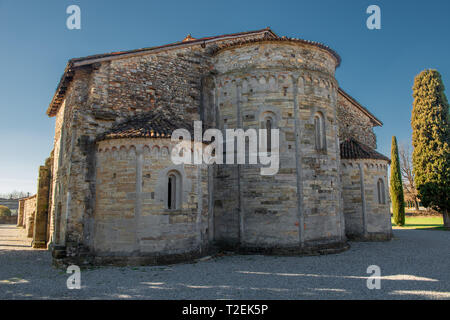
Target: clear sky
(378,66)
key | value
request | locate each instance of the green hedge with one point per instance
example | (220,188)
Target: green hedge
(4,211)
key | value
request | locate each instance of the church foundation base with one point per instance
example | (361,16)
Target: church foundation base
(379,236)
(134,260)
(61,259)
(309,248)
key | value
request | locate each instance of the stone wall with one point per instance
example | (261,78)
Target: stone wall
(101,95)
(131,214)
(25,203)
(365,217)
(237,87)
(354,123)
(352,198)
(69,165)
(379,215)
(41,221)
(20,213)
(8,220)
(28,215)
(61,149)
(291,83)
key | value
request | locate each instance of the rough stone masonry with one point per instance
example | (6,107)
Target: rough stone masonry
(114,195)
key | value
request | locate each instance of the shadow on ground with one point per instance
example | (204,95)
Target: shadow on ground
(413,266)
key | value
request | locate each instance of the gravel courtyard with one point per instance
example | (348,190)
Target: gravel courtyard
(414,265)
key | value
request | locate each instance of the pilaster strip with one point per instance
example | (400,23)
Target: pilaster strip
(298,159)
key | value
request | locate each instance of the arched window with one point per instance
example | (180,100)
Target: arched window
(268,122)
(173,190)
(269,125)
(319,132)
(381,194)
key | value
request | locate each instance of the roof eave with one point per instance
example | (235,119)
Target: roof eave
(180,44)
(286,39)
(365,152)
(60,90)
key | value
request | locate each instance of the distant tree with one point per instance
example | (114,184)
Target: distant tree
(409,188)
(18,194)
(14,195)
(396,186)
(431,141)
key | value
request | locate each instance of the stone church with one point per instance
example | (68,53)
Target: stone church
(109,192)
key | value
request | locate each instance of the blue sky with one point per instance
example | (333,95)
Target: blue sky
(378,66)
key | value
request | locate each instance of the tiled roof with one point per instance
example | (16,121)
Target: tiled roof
(89,60)
(352,149)
(238,42)
(155,124)
(186,41)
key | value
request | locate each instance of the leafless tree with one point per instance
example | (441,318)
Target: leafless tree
(14,195)
(406,165)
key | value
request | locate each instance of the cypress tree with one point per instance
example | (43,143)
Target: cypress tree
(431,141)
(396,186)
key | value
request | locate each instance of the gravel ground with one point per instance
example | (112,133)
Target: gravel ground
(414,265)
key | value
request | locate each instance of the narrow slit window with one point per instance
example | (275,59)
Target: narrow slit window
(269,134)
(171,192)
(174,190)
(381,195)
(319,132)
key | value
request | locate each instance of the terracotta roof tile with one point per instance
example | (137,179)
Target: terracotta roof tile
(266,37)
(352,149)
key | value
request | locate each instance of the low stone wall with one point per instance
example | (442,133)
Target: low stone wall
(8,220)
(20,221)
(29,209)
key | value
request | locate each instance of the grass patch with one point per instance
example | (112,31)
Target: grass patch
(421,222)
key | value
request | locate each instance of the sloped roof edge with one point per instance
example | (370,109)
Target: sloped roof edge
(239,42)
(67,76)
(374,119)
(119,54)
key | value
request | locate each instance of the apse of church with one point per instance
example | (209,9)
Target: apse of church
(115,196)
